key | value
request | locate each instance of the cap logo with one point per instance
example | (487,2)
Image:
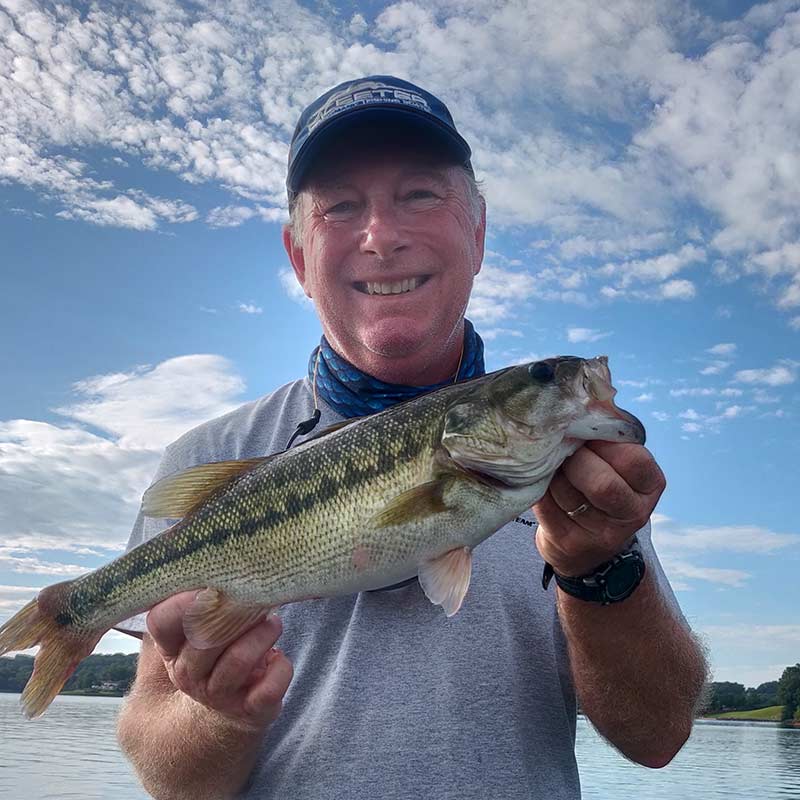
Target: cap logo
(365,93)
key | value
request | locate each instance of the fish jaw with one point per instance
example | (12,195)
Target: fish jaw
(606,422)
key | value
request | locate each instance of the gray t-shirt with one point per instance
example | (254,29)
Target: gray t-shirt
(390,698)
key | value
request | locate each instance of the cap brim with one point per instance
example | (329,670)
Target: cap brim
(395,117)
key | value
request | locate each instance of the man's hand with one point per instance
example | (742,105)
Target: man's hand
(245,680)
(614,487)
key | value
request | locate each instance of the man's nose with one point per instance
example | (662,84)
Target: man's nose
(383,235)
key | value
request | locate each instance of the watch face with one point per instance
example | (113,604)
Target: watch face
(622,579)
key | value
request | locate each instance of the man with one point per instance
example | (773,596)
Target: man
(389,697)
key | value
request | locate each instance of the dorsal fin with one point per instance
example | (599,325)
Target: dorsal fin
(179,494)
(336,426)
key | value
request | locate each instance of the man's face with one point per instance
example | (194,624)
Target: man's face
(390,247)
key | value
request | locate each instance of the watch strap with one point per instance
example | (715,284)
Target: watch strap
(611,582)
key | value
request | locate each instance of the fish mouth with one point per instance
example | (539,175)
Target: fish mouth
(400,286)
(607,422)
(604,420)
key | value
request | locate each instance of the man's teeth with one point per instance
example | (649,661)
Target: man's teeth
(398,287)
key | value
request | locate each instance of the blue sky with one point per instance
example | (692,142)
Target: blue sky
(641,169)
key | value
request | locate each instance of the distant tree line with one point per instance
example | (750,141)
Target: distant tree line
(726,696)
(98,672)
(789,692)
(116,673)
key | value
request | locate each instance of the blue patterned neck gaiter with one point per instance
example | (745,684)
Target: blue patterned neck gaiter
(353,393)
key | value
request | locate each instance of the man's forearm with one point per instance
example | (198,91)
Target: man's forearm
(182,750)
(639,673)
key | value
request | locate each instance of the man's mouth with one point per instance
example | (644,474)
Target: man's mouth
(391,287)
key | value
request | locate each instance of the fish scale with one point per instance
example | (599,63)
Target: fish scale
(408,491)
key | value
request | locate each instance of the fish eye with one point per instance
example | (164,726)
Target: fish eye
(542,372)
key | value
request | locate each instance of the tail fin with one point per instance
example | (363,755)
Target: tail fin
(62,648)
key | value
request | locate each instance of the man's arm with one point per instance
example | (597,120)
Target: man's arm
(638,671)
(195,719)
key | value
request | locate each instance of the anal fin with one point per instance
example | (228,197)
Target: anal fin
(445,579)
(213,619)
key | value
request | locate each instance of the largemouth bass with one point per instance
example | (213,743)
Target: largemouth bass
(410,491)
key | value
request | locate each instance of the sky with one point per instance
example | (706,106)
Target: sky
(641,168)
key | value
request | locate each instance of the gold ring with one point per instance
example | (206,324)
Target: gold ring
(582,508)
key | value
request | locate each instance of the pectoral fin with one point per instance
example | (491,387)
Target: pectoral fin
(445,580)
(415,504)
(179,494)
(213,619)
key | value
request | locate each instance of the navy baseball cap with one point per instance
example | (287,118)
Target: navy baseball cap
(377,100)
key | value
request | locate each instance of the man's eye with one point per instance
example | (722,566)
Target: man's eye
(345,207)
(420,194)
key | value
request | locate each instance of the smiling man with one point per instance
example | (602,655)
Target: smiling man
(379,694)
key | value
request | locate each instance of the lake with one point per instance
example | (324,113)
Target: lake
(71,752)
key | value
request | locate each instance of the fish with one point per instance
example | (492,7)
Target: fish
(368,503)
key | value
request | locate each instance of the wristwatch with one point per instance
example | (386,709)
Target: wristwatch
(611,582)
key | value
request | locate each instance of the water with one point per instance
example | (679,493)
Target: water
(730,760)
(71,752)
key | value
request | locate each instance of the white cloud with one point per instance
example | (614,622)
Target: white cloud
(229,216)
(677,290)
(673,541)
(702,117)
(623,245)
(794,323)
(250,308)
(12,598)
(756,635)
(497,292)
(645,397)
(490,334)
(658,268)
(723,349)
(704,391)
(66,488)
(762,397)
(576,335)
(35,566)
(292,287)
(724,539)
(120,211)
(779,375)
(661,416)
(640,384)
(358,25)
(678,570)
(715,367)
(150,406)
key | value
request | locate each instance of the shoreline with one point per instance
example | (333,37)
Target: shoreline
(75,693)
(788,723)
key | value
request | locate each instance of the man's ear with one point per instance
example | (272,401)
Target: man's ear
(296,258)
(480,236)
